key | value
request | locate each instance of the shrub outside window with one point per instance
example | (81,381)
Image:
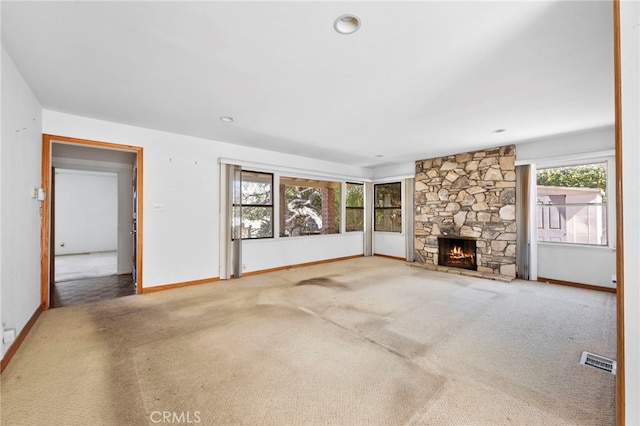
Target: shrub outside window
(355,207)
(572,204)
(309,207)
(257,205)
(388,207)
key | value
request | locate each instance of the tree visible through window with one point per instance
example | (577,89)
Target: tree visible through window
(572,204)
(388,207)
(309,207)
(257,205)
(355,207)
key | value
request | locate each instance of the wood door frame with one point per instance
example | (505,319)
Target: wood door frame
(45,233)
(620,347)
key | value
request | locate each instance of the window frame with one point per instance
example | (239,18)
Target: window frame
(609,222)
(399,207)
(294,180)
(270,206)
(347,207)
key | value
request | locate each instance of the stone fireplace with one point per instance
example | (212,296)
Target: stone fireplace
(470,197)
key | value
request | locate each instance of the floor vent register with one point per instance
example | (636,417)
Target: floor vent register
(599,362)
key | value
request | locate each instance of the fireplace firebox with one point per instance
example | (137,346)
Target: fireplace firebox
(457,252)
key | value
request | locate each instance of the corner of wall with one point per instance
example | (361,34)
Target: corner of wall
(20,160)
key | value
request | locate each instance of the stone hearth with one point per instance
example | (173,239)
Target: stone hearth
(468,195)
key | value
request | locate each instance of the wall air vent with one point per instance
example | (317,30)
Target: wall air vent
(598,362)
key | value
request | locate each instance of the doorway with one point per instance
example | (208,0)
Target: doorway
(85,225)
(91,249)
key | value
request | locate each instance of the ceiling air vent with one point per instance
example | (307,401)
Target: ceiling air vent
(598,362)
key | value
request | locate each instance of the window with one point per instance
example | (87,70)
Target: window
(309,207)
(572,204)
(388,207)
(355,207)
(257,205)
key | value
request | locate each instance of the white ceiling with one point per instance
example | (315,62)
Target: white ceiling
(419,79)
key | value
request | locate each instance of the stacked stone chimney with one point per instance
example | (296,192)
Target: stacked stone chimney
(468,195)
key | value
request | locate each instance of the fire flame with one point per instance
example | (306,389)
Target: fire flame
(456,253)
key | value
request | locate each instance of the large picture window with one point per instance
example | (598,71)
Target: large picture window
(309,207)
(572,204)
(355,207)
(388,207)
(257,205)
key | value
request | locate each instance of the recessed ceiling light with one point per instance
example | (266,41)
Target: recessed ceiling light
(226,119)
(347,24)
(499,130)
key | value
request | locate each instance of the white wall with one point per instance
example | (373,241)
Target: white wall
(20,157)
(566,146)
(581,264)
(574,263)
(181,198)
(86,211)
(258,255)
(630,45)
(389,244)
(390,172)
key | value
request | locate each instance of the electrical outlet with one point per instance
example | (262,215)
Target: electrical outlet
(9,335)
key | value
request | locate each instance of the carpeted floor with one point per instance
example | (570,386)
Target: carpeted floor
(368,341)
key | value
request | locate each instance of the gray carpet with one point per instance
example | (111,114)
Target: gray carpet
(367,341)
(85,265)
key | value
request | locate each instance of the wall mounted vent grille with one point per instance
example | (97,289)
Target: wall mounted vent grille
(599,362)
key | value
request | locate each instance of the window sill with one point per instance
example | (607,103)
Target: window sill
(578,246)
(296,237)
